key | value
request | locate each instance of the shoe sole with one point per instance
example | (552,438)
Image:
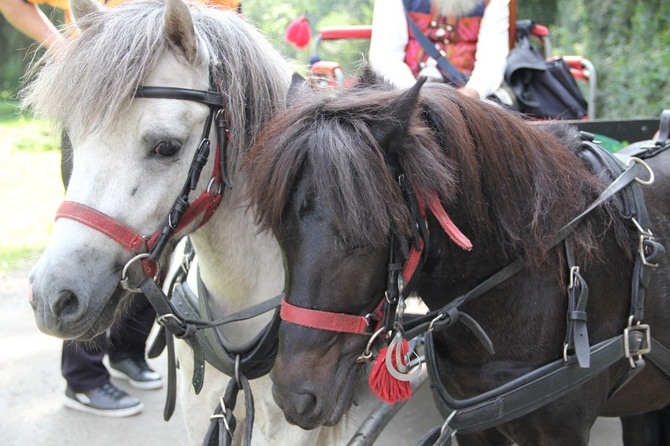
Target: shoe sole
(111,413)
(142,385)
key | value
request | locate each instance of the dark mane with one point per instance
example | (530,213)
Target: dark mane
(516,181)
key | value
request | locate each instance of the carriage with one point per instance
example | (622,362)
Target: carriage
(175,107)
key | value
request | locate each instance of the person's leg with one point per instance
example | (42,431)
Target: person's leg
(128,338)
(88,387)
(81,364)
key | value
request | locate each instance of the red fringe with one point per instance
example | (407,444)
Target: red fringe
(385,386)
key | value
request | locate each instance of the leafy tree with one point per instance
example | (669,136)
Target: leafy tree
(630,52)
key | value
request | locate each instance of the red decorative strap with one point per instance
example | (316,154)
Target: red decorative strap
(325,320)
(447,225)
(117,231)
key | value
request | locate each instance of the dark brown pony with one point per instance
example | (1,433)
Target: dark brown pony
(325,180)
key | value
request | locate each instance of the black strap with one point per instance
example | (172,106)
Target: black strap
(660,356)
(223,423)
(521,395)
(576,335)
(211,98)
(446,68)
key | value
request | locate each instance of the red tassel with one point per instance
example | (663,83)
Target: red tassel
(298,33)
(385,386)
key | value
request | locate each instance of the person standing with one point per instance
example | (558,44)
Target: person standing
(472,34)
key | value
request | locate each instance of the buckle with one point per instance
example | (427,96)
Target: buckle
(645,338)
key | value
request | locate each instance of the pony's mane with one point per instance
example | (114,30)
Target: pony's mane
(516,182)
(97,72)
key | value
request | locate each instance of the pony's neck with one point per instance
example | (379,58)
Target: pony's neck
(238,265)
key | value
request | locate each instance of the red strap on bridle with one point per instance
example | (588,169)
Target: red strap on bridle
(448,226)
(131,240)
(325,320)
(117,231)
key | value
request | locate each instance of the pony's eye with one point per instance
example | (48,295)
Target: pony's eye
(166,148)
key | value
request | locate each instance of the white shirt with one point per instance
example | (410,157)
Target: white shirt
(390,37)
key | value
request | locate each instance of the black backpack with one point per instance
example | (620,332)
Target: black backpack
(543,88)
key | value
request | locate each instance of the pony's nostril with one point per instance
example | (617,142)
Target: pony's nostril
(305,403)
(66,304)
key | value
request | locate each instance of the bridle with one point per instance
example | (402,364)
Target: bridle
(403,263)
(148,249)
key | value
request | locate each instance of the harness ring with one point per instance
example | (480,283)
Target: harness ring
(124,274)
(646,166)
(367,353)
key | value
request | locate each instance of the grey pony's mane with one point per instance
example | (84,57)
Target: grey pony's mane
(91,79)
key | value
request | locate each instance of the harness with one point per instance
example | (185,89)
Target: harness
(580,362)
(242,363)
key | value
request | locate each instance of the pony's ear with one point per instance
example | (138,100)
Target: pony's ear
(400,111)
(298,87)
(179,28)
(81,8)
(369,77)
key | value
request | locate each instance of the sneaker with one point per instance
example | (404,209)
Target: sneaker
(106,401)
(137,372)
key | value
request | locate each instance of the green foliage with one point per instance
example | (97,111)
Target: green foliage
(273,17)
(630,52)
(16,52)
(29,185)
(19,132)
(627,41)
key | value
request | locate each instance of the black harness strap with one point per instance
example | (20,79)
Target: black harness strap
(548,383)
(576,335)
(522,395)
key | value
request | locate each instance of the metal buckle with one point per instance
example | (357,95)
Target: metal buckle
(163,319)
(446,427)
(574,274)
(222,415)
(437,318)
(646,344)
(645,235)
(366,356)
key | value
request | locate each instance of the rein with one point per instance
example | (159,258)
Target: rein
(548,383)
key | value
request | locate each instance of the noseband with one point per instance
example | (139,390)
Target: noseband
(182,212)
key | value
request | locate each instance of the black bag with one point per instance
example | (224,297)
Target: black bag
(543,88)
